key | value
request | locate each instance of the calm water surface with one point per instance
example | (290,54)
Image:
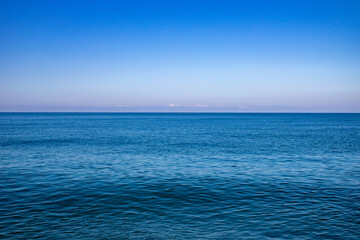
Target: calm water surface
(179,176)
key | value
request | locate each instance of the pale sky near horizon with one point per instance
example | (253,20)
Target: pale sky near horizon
(237,56)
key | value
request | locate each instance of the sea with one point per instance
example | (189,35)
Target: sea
(179,176)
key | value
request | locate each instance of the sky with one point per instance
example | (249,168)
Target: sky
(180,56)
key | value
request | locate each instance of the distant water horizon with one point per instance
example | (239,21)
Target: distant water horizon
(189,112)
(179,175)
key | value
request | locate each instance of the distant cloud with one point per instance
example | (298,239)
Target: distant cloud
(218,106)
(189,106)
(241,106)
(121,106)
(200,105)
(173,105)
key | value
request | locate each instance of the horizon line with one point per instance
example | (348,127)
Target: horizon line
(181,112)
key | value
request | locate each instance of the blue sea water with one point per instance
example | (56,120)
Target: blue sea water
(179,176)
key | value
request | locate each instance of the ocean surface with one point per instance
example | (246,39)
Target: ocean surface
(179,176)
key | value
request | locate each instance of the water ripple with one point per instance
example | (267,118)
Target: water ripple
(179,176)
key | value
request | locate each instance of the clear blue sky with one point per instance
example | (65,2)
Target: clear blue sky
(239,56)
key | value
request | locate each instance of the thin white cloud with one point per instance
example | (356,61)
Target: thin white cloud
(173,105)
(189,106)
(121,106)
(241,106)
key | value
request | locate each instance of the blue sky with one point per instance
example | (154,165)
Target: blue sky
(237,56)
